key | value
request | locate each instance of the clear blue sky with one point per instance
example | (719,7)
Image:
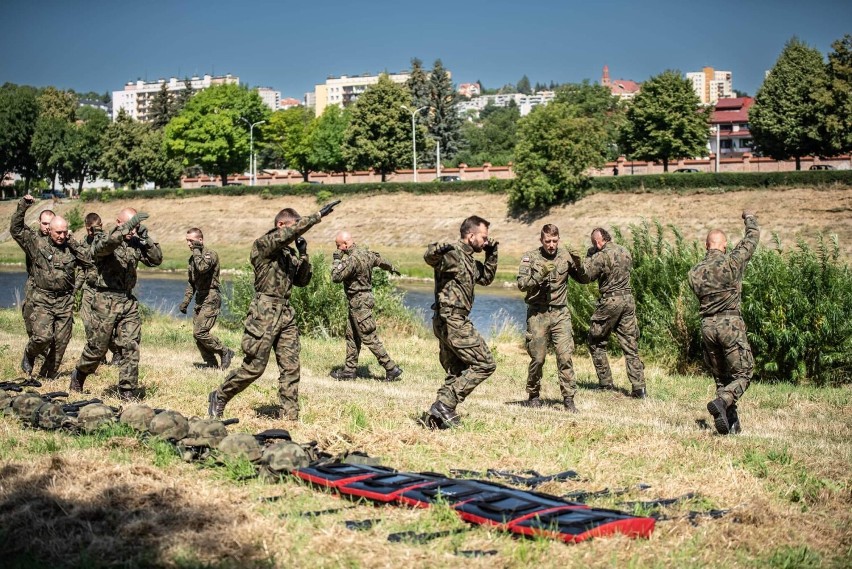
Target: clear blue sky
(99,45)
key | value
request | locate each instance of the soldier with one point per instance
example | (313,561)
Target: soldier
(464,355)
(717,282)
(114,307)
(353,266)
(203,281)
(271,322)
(88,281)
(51,295)
(610,264)
(41,232)
(543,275)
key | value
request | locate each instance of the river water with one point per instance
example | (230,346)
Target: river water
(495,307)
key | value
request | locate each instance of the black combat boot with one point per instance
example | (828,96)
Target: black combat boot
(718,408)
(215,406)
(343,374)
(533,401)
(445,414)
(126,394)
(393,374)
(227,356)
(733,420)
(638,393)
(569,405)
(27,364)
(607,387)
(78,378)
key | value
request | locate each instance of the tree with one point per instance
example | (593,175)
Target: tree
(125,159)
(329,137)
(444,123)
(597,101)
(419,86)
(212,131)
(492,139)
(162,107)
(557,144)
(786,116)
(57,111)
(183,96)
(665,121)
(836,130)
(523,86)
(158,166)
(378,136)
(82,156)
(290,131)
(18,116)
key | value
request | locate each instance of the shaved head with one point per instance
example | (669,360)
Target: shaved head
(125,215)
(44,221)
(716,239)
(343,240)
(58,230)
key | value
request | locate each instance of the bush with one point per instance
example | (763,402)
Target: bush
(74,217)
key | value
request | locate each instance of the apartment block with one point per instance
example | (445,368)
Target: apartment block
(345,90)
(711,85)
(525,103)
(136,97)
(270,97)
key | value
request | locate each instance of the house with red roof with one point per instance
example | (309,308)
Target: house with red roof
(730,117)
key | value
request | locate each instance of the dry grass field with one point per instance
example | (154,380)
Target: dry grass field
(117,500)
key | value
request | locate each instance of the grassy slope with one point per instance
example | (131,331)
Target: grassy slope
(120,500)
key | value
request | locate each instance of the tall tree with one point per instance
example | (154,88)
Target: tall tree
(57,111)
(212,131)
(444,122)
(82,156)
(162,107)
(291,132)
(786,115)
(329,137)
(158,166)
(183,96)
(557,144)
(18,116)
(836,99)
(492,138)
(378,136)
(597,101)
(523,86)
(665,121)
(125,159)
(418,85)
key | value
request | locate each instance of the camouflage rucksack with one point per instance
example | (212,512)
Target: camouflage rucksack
(283,457)
(240,445)
(25,404)
(93,416)
(205,433)
(5,400)
(169,425)
(49,415)
(137,416)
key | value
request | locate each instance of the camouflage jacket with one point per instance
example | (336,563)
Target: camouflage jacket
(456,274)
(277,266)
(116,259)
(355,269)
(717,281)
(23,230)
(610,266)
(549,290)
(52,267)
(202,272)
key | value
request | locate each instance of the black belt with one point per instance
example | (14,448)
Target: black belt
(616,293)
(453,310)
(53,293)
(273,298)
(724,313)
(547,308)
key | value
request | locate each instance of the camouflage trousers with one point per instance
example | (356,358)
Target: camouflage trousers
(464,355)
(114,317)
(361,329)
(27,307)
(51,318)
(270,324)
(545,327)
(727,354)
(86,300)
(616,314)
(207,306)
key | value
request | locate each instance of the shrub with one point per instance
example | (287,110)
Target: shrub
(74,217)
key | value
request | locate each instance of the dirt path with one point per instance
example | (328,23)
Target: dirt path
(410,221)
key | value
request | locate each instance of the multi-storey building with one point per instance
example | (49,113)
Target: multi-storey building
(730,117)
(344,90)
(136,96)
(288,103)
(469,90)
(525,103)
(711,85)
(624,89)
(270,97)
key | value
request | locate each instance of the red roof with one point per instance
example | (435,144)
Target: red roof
(624,86)
(731,110)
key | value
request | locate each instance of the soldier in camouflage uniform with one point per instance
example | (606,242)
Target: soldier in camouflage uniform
(203,282)
(271,321)
(717,282)
(353,266)
(114,309)
(51,296)
(610,264)
(464,355)
(543,275)
(41,232)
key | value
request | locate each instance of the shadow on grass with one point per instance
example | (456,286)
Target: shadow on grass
(64,515)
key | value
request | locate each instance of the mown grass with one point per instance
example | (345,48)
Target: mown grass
(115,498)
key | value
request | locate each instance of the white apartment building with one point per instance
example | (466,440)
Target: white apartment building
(525,103)
(711,85)
(344,90)
(136,96)
(270,97)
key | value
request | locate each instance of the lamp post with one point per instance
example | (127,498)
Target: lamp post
(251,148)
(414,137)
(717,129)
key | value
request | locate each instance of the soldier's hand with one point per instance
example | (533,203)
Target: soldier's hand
(328,208)
(491,246)
(137,219)
(196,244)
(747,213)
(183,308)
(301,245)
(444,248)
(592,250)
(337,255)
(547,268)
(395,272)
(142,233)
(28,200)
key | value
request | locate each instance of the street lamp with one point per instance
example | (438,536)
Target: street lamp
(251,149)
(413,137)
